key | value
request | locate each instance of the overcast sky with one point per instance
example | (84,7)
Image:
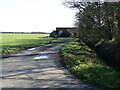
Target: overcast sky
(34,15)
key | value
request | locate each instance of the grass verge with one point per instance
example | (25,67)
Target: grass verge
(85,64)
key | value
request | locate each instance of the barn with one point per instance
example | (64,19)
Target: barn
(63,32)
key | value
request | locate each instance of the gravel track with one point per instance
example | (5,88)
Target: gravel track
(39,68)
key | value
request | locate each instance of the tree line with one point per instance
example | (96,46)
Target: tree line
(98,25)
(26,32)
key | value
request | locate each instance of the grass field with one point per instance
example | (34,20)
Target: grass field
(14,42)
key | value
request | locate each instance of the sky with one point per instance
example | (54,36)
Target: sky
(34,15)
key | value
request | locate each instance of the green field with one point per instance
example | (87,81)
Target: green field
(14,42)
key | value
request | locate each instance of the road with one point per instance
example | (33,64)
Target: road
(39,68)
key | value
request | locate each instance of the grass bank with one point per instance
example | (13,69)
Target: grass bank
(15,42)
(86,65)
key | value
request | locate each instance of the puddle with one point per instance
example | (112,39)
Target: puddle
(40,57)
(32,49)
(36,48)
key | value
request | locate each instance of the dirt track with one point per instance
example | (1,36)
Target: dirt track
(39,68)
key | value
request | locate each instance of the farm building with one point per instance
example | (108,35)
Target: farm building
(63,32)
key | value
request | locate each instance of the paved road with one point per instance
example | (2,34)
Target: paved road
(39,68)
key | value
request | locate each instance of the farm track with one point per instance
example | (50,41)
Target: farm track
(39,68)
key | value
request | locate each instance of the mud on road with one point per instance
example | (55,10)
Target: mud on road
(39,67)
